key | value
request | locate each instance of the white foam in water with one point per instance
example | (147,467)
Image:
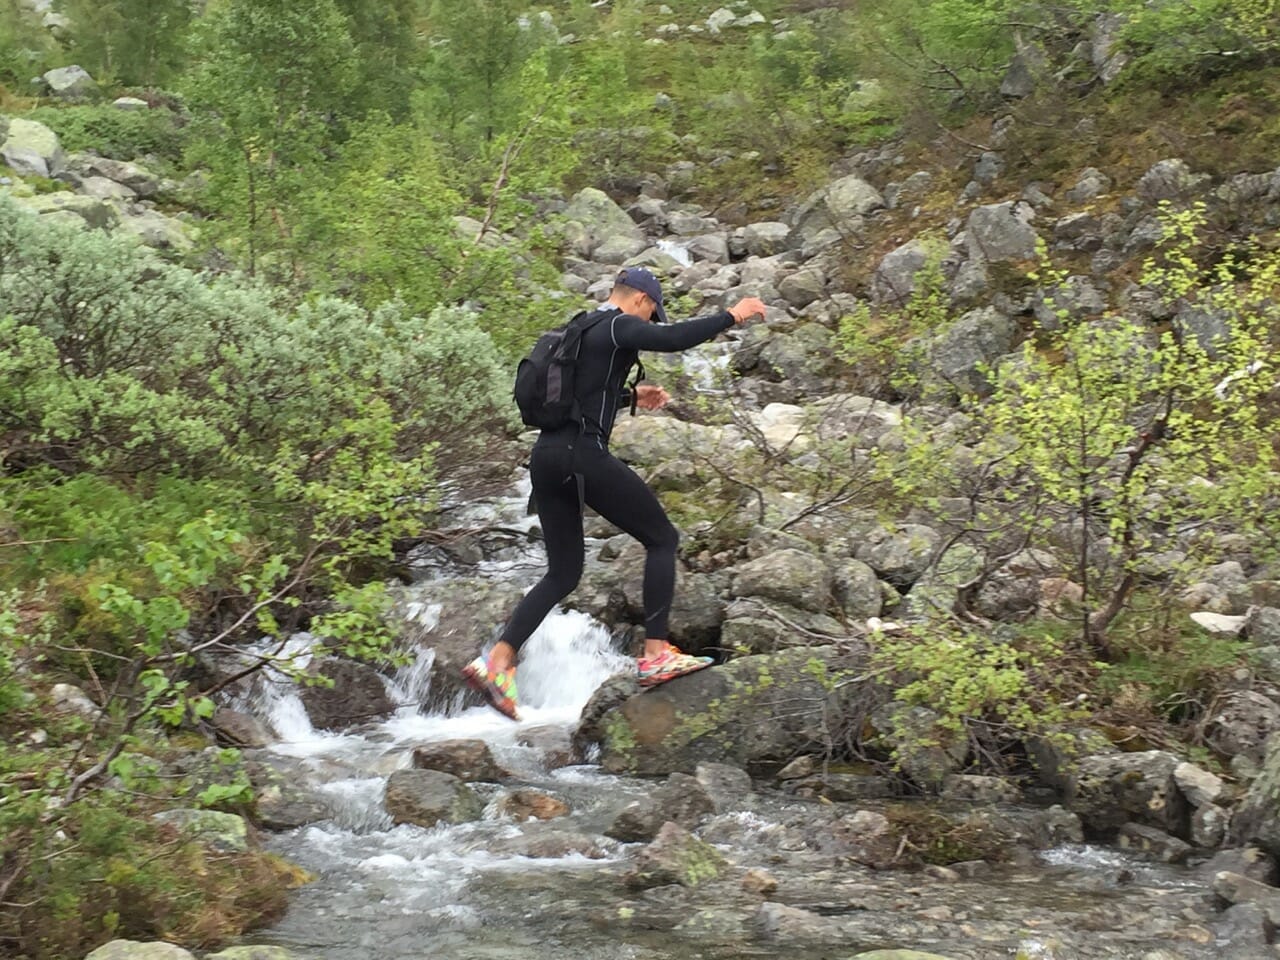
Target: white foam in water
(410,685)
(565,661)
(706,367)
(676,251)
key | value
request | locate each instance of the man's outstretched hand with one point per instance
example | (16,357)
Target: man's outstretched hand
(746,308)
(649,397)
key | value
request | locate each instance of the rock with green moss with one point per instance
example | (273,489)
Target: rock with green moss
(224,832)
(752,711)
(135,950)
(676,857)
(427,797)
(1257,819)
(92,211)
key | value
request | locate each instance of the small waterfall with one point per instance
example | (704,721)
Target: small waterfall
(676,251)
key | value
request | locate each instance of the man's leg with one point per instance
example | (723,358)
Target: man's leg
(555,492)
(617,493)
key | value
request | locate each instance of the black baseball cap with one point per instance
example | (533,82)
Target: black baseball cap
(638,278)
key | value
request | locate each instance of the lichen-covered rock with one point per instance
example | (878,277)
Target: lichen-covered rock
(899,555)
(728,788)
(767,238)
(1002,232)
(1108,791)
(682,800)
(676,856)
(926,751)
(592,217)
(30,148)
(1242,723)
(251,953)
(754,710)
(837,206)
(70,83)
(959,354)
(94,212)
(790,576)
(1257,818)
(224,832)
(894,281)
(1169,180)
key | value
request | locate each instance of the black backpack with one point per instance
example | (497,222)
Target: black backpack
(544,389)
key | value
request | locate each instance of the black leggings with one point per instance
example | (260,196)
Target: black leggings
(614,491)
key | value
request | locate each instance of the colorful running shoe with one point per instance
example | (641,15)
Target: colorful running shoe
(672,662)
(497,687)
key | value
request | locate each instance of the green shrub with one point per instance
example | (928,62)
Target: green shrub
(119,134)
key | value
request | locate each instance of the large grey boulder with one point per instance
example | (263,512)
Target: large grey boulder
(1108,791)
(428,797)
(105,189)
(790,576)
(754,710)
(925,750)
(682,799)
(710,247)
(70,83)
(1242,723)
(960,354)
(592,217)
(1262,625)
(753,625)
(767,238)
(895,278)
(1076,299)
(30,148)
(804,286)
(856,589)
(1091,183)
(282,800)
(802,358)
(899,555)
(1002,232)
(838,206)
(936,592)
(134,176)
(1169,180)
(619,248)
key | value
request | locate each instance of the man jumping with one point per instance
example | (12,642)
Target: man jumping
(571,465)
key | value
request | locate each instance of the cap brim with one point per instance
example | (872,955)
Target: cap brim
(659,314)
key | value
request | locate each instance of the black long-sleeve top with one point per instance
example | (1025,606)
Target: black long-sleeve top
(609,350)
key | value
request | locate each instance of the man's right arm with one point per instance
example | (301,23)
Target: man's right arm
(632,333)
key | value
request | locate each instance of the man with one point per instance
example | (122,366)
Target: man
(572,464)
